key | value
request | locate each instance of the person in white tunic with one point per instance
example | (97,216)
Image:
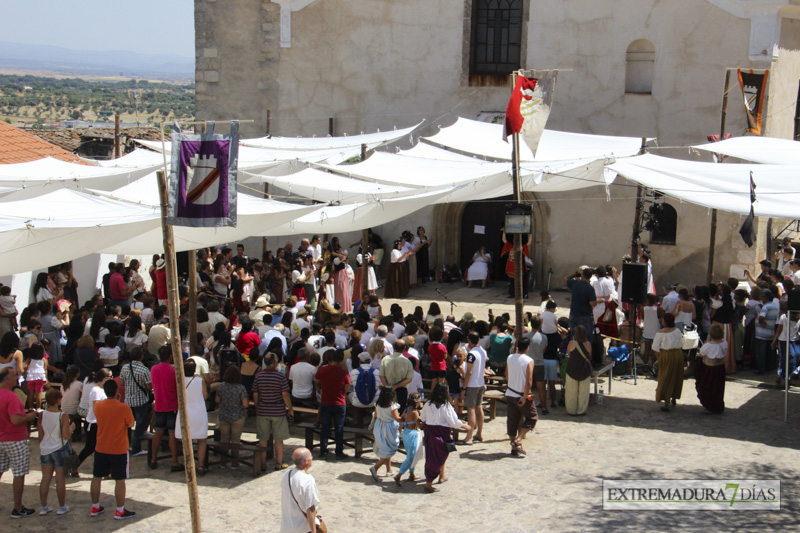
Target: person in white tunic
(479,269)
(196,395)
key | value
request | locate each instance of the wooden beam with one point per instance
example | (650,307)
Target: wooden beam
(177,359)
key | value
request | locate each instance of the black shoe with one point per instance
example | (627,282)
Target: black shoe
(24,512)
(323,455)
(545,411)
(342,456)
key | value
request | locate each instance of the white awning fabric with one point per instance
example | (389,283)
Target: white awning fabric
(66,224)
(35,178)
(767,150)
(255,159)
(485,140)
(353,217)
(720,186)
(255,217)
(372,140)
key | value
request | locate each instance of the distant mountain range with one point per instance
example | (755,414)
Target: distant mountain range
(87,62)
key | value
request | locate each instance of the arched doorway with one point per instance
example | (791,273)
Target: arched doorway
(481,222)
(455,242)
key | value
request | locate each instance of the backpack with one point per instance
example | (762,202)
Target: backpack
(365,386)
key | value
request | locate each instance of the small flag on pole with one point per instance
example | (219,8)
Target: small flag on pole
(202,185)
(529,108)
(748,229)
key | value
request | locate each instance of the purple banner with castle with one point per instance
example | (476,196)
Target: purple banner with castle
(202,187)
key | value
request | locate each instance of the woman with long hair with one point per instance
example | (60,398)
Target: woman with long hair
(10,355)
(576,393)
(96,327)
(668,343)
(73,388)
(421,244)
(342,293)
(709,373)
(54,428)
(397,278)
(134,335)
(438,419)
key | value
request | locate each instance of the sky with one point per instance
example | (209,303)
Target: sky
(143,26)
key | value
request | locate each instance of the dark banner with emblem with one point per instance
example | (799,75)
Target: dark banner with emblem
(754,90)
(202,185)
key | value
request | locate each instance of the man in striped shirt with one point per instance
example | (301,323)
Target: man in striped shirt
(273,402)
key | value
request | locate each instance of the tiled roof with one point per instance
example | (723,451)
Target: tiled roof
(18,146)
(70,138)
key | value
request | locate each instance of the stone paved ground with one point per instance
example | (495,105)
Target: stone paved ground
(556,488)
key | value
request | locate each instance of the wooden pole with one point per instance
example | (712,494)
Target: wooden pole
(712,240)
(175,344)
(264,240)
(192,301)
(364,248)
(117,145)
(797,116)
(519,267)
(638,213)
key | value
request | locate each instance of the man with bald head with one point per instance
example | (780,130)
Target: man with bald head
(299,496)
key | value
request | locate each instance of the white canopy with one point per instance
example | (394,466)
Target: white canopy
(137,158)
(768,150)
(720,186)
(353,217)
(19,181)
(255,217)
(304,144)
(257,159)
(485,140)
(66,224)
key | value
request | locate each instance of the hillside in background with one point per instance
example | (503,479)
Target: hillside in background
(96,63)
(34,100)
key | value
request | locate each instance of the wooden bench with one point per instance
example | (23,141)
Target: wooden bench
(253,459)
(491,397)
(302,411)
(357,435)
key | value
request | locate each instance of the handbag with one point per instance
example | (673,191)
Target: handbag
(578,365)
(450,446)
(319,522)
(691,339)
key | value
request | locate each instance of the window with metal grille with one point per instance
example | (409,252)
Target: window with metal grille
(496,38)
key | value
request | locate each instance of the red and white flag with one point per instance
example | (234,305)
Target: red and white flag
(529,108)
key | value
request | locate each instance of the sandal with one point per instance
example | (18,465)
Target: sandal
(442,479)
(397,480)
(281,466)
(479,439)
(665,408)
(464,443)
(202,471)
(430,490)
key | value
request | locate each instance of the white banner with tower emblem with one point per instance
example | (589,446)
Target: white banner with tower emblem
(202,184)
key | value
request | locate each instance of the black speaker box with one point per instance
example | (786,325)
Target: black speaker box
(634,282)
(794,300)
